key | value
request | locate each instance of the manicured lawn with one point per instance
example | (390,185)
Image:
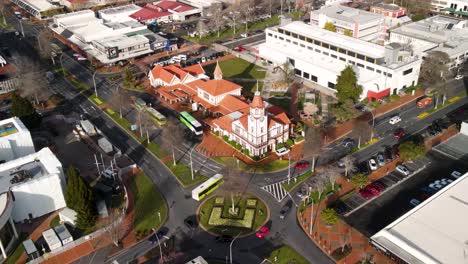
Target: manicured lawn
(286,255)
(293,183)
(55,222)
(148,203)
(272,166)
(156,150)
(120,120)
(260,214)
(97,100)
(184,175)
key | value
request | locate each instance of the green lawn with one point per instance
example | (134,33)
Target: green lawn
(55,222)
(286,255)
(270,167)
(156,150)
(148,203)
(293,183)
(184,175)
(260,214)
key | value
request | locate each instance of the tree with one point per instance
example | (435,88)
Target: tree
(347,87)
(329,216)
(3,5)
(288,74)
(330,26)
(247,12)
(320,184)
(23,109)
(217,18)
(33,81)
(362,130)
(201,28)
(171,136)
(410,151)
(313,143)
(348,33)
(119,100)
(434,68)
(349,164)
(233,16)
(80,197)
(234,183)
(129,78)
(114,228)
(44,40)
(359,180)
(332,174)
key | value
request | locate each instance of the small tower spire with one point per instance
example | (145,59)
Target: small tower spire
(218,74)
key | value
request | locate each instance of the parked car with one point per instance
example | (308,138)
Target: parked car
(399,133)
(456,174)
(340,163)
(459,77)
(388,153)
(366,194)
(239,48)
(380,159)
(109,174)
(378,186)
(363,168)
(302,192)
(372,190)
(395,119)
(348,143)
(396,150)
(373,164)
(403,170)
(244,35)
(285,209)
(282,151)
(303,164)
(262,232)
(414,202)
(190,222)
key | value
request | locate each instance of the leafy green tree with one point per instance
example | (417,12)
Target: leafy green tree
(80,197)
(359,180)
(411,151)
(330,27)
(23,109)
(417,17)
(129,79)
(329,216)
(348,33)
(347,87)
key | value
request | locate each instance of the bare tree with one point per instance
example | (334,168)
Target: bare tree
(349,164)
(217,18)
(234,183)
(320,183)
(201,28)
(434,68)
(233,16)
(362,130)
(247,12)
(44,40)
(119,100)
(33,81)
(172,136)
(288,74)
(332,174)
(313,144)
(114,228)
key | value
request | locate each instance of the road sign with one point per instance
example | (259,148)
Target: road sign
(133,127)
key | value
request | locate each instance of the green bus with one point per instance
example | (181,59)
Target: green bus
(159,118)
(191,123)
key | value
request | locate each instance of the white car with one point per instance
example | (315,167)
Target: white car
(244,35)
(282,151)
(456,174)
(203,59)
(372,164)
(394,120)
(458,77)
(403,170)
(80,58)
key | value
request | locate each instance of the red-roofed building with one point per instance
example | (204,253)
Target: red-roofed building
(165,11)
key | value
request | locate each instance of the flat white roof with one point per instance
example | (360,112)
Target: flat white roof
(347,14)
(40,5)
(120,9)
(11,126)
(336,39)
(433,232)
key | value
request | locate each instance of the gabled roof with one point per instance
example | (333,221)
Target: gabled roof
(229,104)
(178,72)
(174,6)
(196,69)
(217,87)
(149,12)
(158,72)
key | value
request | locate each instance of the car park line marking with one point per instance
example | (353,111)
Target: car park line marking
(387,189)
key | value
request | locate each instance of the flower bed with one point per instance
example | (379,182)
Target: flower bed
(251,202)
(245,222)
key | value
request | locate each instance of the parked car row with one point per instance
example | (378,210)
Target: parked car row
(371,190)
(202,59)
(436,127)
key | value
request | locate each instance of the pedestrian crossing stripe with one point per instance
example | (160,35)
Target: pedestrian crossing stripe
(276,190)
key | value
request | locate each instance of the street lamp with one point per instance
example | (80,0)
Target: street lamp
(61,64)
(289,167)
(230,247)
(191,162)
(94,82)
(159,244)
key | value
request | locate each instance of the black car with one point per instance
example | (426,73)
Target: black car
(224,239)
(363,167)
(388,153)
(154,238)
(191,222)
(348,143)
(340,208)
(286,209)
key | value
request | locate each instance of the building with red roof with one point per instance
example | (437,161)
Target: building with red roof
(165,11)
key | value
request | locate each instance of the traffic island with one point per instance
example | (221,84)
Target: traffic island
(219,216)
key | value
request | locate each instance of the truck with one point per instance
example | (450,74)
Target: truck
(88,127)
(105,145)
(424,102)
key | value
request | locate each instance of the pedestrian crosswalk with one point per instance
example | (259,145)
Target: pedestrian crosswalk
(277,190)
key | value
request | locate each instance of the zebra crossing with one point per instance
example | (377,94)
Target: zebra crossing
(276,190)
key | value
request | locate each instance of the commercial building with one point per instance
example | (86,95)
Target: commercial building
(318,56)
(351,21)
(165,11)
(40,9)
(30,187)
(432,232)
(437,33)
(15,139)
(394,15)
(453,7)
(118,14)
(108,41)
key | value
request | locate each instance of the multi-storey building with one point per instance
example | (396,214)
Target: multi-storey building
(453,7)
(437,33)
(354,22)
(319,55)
(15,139)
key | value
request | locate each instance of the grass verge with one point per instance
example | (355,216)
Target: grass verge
(275,165)
(148,203)
(184,174)
(293,183)
(433,110)
(286,255)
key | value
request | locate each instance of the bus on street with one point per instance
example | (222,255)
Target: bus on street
(159,118)
(191,123)
(207,187)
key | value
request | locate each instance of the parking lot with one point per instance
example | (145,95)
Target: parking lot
(380,211)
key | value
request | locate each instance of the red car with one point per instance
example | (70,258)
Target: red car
(399,133)
(262,232)
(366,194)
(301,165)
(372,190)
(396,150)
(239,48)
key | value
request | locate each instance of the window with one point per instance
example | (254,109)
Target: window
(342,50)
(360,65)
(371,60)
(334,56)
(318,51)
(389,75)
(270,35)
(306,75)
(309,47)
(370,68)
(352,54)
(288,40)
(408,71)
(378,71)
(326,45)
(294,35)
(295,43)
(318,43)
(351,62)
(331,85)
(301,37)
(302,45)
(287,33)
(281,38)
(361,57)
(343,59)
(276,36)
(280,30)
(309,40)
(313,78)
(326,53)
(333,48)
(298,72)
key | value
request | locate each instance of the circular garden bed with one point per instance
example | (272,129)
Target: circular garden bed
(216,216)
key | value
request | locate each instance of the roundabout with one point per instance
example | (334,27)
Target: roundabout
(219,216)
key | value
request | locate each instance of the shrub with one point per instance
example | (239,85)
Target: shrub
(216,133)
(289,142)
(394,97)
(329,216)
(360,180)
(251,202)
(226,138)
(341,252)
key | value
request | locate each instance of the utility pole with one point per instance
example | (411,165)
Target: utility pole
(103,164)
(230,247)
(97,164)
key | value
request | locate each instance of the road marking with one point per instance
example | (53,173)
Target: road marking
(276,190)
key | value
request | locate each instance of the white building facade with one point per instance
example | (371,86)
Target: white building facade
(453,7)
(15,139)
(361,24)
(319,56)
